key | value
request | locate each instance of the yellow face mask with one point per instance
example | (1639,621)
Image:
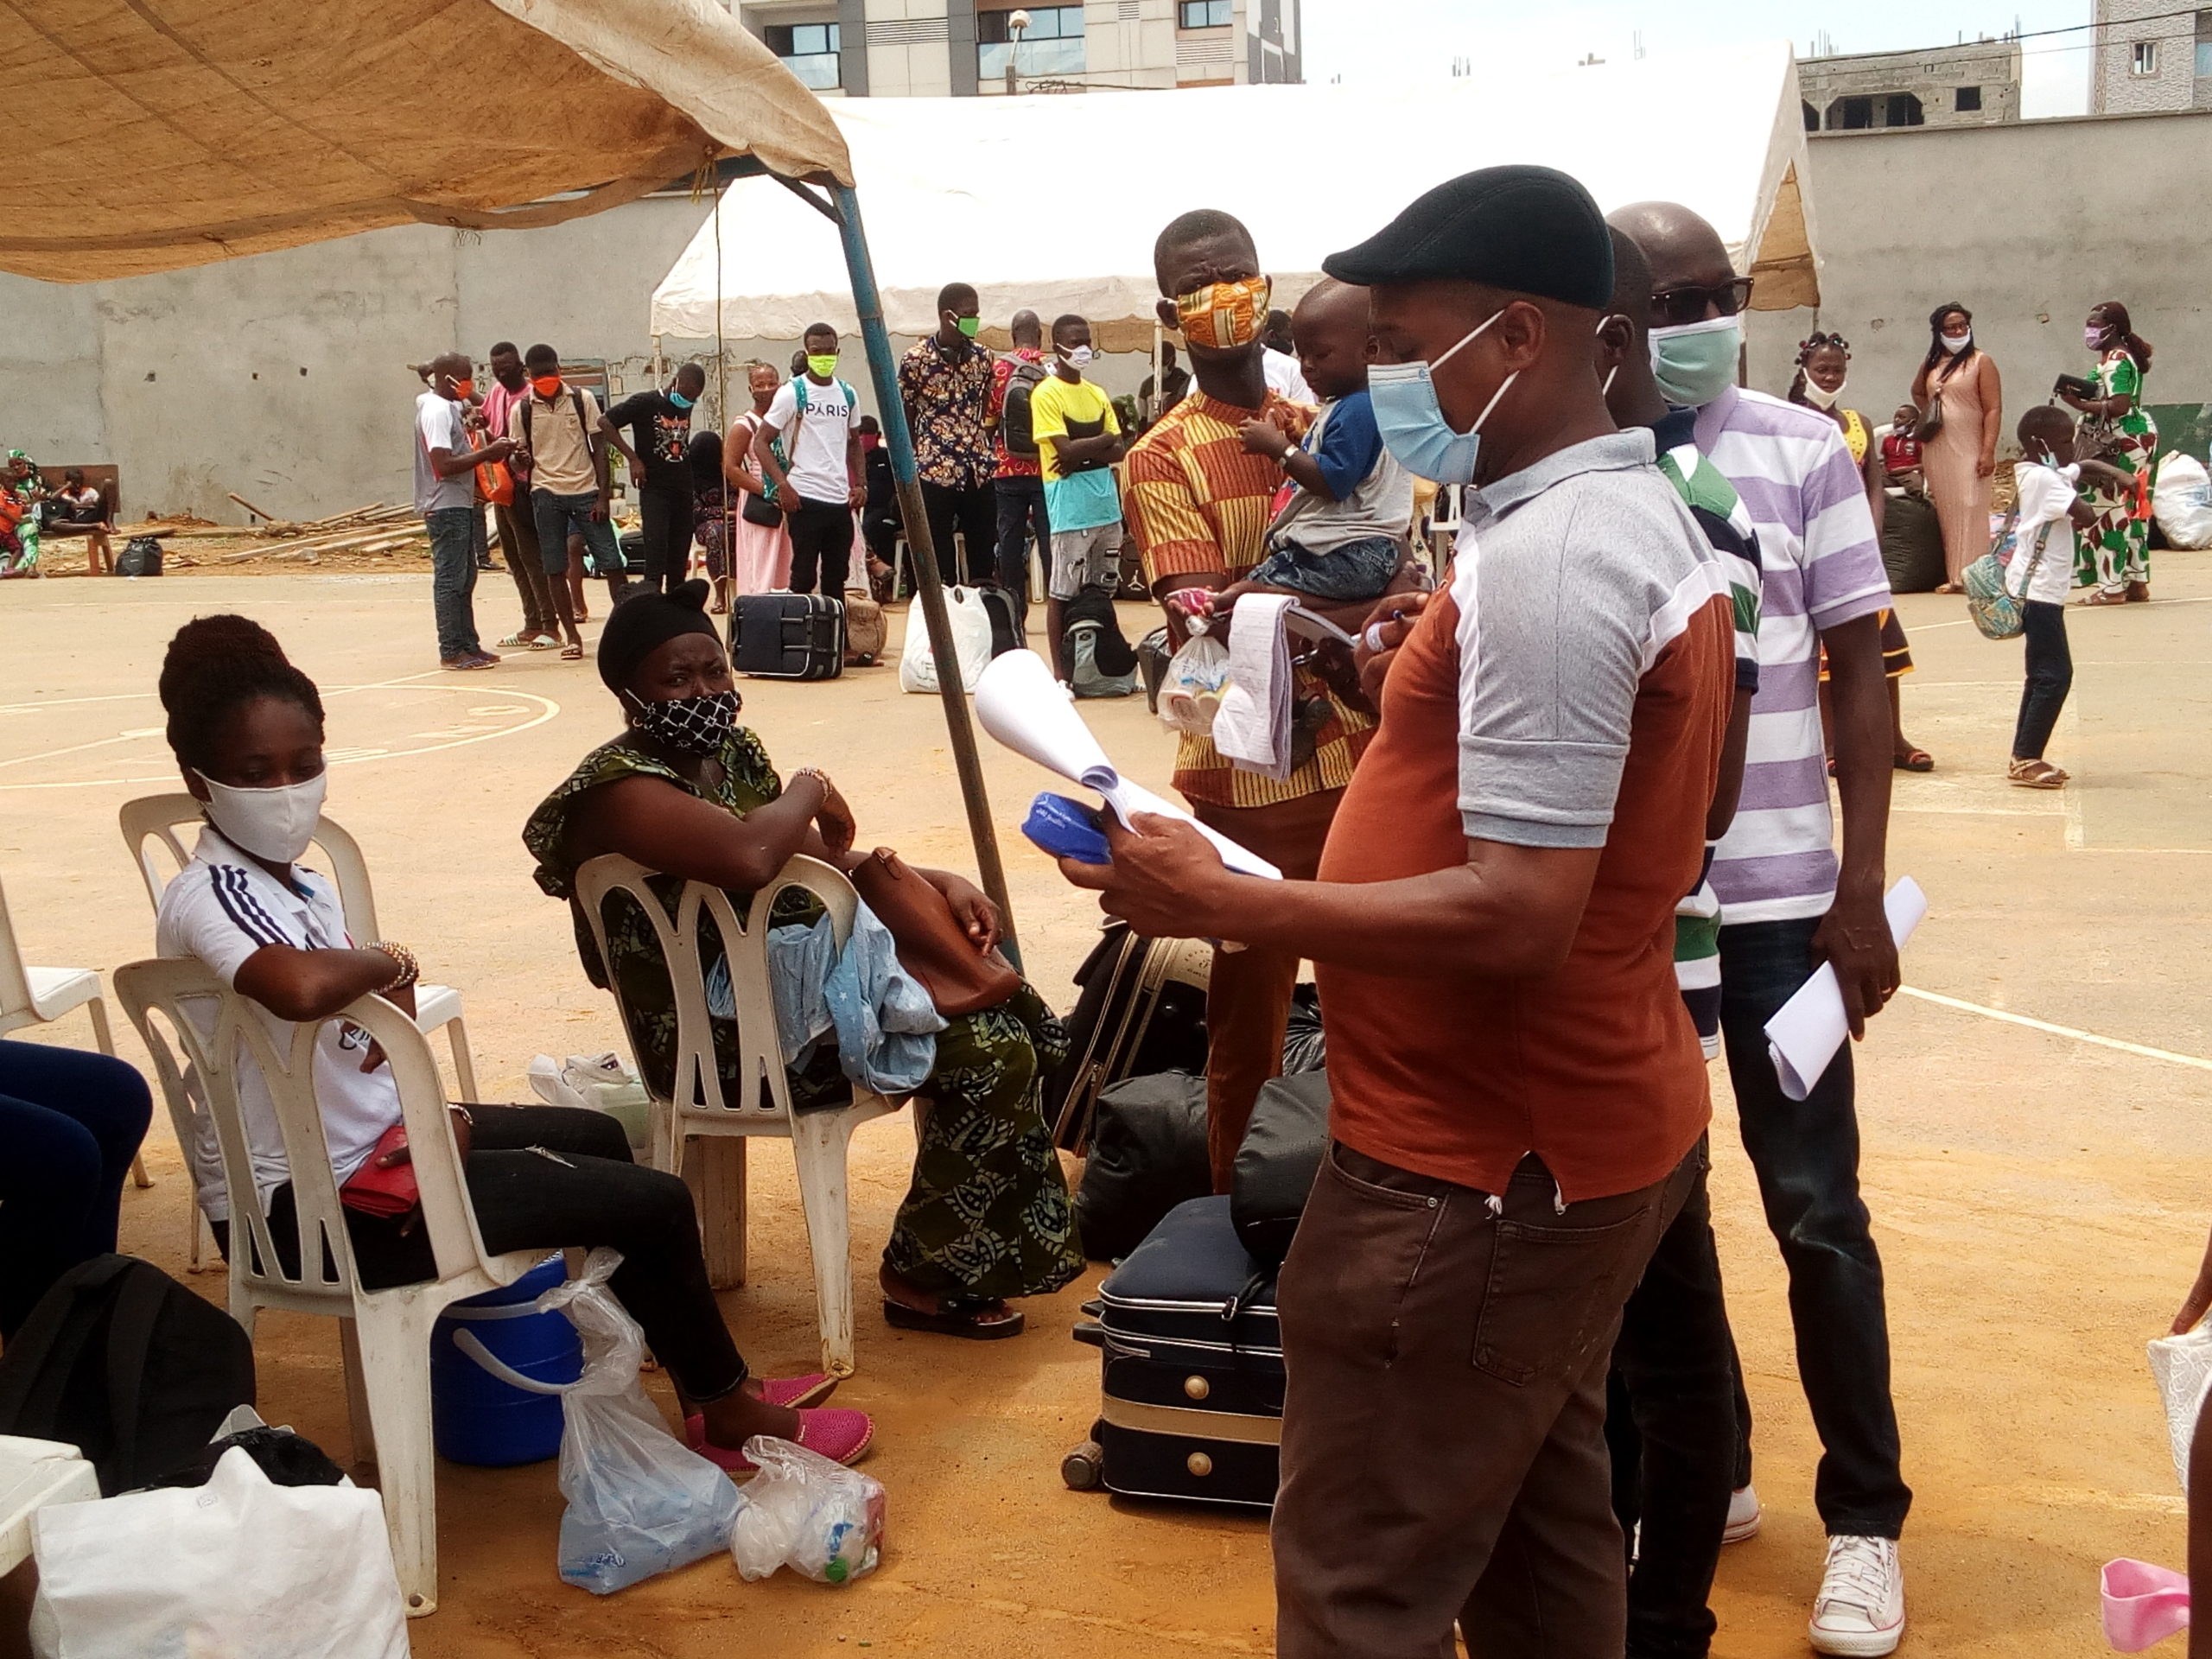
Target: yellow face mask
(1223,316)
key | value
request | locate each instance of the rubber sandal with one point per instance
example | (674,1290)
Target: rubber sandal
(515,642)
(1915,760)
(572,654)
(957,1318)
(840,1435)
(2036,774)
(2102,598)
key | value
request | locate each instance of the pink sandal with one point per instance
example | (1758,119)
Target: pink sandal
(840,1435)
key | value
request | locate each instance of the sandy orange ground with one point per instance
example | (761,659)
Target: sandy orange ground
(2041,1202)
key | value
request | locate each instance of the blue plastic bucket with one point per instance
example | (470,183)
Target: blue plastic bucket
(477,1418)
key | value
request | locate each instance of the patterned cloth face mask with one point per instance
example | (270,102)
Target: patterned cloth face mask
(1223,316)
(694,725)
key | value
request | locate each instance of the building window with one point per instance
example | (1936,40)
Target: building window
(2145,60)
(1966,100)
(2203,65)
(1812,120)
(1901,110)
(809,51)
(1205,14)
(1850,115)
(1051,45)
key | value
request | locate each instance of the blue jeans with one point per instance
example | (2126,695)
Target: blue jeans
(457,541)
(70,1124)
(1360,569)
(1022,513)
(556,515)
(2049,677)
(1806,1154)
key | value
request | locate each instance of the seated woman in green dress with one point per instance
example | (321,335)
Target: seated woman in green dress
(688,793)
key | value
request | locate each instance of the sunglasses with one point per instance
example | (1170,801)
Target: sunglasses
(1673,306)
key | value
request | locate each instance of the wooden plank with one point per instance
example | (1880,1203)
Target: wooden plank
(713,1168)
(257,512)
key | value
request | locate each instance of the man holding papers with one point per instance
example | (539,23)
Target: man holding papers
(1517,1087)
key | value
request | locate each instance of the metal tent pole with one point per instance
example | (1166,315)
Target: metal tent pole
(883,371)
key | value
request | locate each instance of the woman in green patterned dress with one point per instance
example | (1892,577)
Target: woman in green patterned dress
(686,791)
(2115,556)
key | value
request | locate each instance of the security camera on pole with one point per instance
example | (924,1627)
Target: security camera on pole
(1016,25)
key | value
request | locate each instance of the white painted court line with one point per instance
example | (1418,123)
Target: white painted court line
(2146,1053)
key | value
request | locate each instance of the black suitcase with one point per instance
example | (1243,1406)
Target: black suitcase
(1190,1403)
(1140,1008)
(787,636)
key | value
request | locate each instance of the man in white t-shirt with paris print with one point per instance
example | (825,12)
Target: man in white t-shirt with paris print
(818,417)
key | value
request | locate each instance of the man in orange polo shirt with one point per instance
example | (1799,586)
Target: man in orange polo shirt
(1199,504)
(1518,1086)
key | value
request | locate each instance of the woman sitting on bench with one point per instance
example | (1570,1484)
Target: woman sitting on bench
(688,793)
(247,729)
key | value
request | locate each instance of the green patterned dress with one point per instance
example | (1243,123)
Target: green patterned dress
(2117,549)
(987,1214)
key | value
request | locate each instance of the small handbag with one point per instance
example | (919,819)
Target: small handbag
(1990,601)
(375,1190)
(759,510)
(932,945)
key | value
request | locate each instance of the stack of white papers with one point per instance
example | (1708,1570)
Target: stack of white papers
(1805,1033)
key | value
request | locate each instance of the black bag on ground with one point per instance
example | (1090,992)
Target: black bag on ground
(289,1459)
(141,557)
(1275,1167)
(1191,1402)
(1140,1008)
(1147,1154)
(1153,658)
(787,636)
(998,605)
(1912,544)
(1305,1046)
(1117,656)
(124,1362)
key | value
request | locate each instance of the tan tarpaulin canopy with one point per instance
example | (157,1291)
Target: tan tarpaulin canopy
(146,135)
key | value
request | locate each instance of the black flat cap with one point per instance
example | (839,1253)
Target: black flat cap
(1531,229)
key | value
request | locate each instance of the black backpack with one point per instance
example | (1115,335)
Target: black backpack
(1016,427)
(141,557)
(124,1362)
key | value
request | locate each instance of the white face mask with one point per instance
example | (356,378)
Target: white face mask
(1957,343)
(1079,357)
(1818,398)
(272,823)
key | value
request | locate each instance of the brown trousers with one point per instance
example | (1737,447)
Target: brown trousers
(1443,1439)
(1248,1004)
(518,546)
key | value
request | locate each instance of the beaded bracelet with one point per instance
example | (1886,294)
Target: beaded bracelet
(404,959)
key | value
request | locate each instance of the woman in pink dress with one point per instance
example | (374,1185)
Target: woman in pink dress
(760,555)
(1958,377)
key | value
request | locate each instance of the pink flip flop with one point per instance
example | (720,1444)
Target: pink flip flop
(2143,1605)
(839,1435)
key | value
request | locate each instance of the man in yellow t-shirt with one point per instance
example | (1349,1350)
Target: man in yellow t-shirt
(1078,440)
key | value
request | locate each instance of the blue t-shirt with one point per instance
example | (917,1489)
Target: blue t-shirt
(1350,443)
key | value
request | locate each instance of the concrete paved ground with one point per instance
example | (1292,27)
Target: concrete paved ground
(2041,1201)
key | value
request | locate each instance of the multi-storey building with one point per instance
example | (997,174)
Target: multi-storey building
(2150,54)
(1975,84)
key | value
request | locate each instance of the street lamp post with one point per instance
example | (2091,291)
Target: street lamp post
(1016,25)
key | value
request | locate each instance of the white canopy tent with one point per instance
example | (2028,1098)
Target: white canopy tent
(1052,202)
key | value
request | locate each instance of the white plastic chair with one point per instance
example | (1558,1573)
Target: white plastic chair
(32,1474)
(154,818)
(37,997)
(696,1108)
(387,1332)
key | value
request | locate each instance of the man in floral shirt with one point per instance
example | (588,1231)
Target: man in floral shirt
(1020,484)
(945,381)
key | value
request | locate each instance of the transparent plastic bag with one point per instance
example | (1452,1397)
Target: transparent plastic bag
(2183,1368)
(804,1512)
(1191,692)
(639,1502)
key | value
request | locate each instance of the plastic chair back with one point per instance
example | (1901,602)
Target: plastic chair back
(216,1050)
(151,826)
(15,1008)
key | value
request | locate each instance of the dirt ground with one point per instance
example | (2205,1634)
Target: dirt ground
(2040,1201)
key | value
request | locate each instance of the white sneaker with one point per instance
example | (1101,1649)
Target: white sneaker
(1744,1516)
(1860,1610)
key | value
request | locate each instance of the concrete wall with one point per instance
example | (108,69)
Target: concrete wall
(2018,224)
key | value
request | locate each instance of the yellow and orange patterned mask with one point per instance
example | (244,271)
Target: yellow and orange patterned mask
(1223,316)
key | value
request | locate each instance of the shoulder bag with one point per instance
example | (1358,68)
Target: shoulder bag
(932,946)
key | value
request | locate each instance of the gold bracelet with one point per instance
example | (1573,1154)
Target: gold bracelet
(819,777)
(404,960)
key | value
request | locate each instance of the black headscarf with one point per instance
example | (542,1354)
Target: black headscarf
(644,622)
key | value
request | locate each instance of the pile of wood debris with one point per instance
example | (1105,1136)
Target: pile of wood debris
(376,529)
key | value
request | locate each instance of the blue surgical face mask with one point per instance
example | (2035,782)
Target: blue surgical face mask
(1412,422)
(1695,362)
(680,400)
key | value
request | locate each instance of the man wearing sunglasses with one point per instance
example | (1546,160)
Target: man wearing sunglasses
(1787,905)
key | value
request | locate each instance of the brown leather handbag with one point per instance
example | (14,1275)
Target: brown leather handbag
(932,945)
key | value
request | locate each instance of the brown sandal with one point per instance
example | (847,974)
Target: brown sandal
(2103,599)
(2036,774)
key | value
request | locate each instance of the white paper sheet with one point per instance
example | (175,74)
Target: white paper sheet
(1018,702)
(1253,725)
(1805,1033)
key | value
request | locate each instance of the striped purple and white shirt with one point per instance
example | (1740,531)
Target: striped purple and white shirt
(1822,567)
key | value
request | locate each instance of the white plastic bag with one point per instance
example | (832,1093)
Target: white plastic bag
(804,1512)
(238,1567)
(639,1502)
(1191,693)
(971,642)
(2180,500)
(2182,1366)
(597,1083)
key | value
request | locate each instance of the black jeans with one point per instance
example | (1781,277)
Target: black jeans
(664,524)
(974,513)
(821,537)
(1806,1154)
(1670,1422)
(590,1194)
(2051,677)
(1022,514)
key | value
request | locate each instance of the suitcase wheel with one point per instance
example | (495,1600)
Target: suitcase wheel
(1084,1468)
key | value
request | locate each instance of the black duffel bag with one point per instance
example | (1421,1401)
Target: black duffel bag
(1147,1154)
(1277,1164)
